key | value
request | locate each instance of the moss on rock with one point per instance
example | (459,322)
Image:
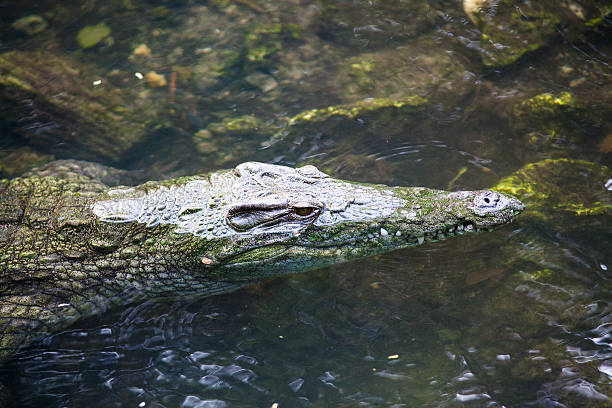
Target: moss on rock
(56,107)
(511,28)
(549,120)
(552,186)
(263,42)
(429,72)
(16,162)
(91,35)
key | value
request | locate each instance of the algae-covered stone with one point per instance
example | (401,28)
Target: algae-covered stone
(549,120)
(264,42)
(52,105)
(241,124)
(373,24)
(416,69)
(243,133)
(553,186)
(16,162)
(264,82)
(353,110)
(312,117)
(91,35)
(511,28)
(30,25)
(546,103)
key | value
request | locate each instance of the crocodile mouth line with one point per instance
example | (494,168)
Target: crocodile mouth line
(399,238)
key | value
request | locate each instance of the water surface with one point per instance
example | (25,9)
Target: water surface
(519,317)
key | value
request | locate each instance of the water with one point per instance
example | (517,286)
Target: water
(517,317)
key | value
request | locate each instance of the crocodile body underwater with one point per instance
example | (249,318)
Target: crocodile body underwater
(71,247)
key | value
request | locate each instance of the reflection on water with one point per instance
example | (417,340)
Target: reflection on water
(408,93)
(485,320)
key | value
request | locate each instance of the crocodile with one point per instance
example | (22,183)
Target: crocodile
(72,247)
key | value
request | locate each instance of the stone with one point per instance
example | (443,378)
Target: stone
(91,35)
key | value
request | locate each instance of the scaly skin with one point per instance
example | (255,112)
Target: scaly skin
(71,247)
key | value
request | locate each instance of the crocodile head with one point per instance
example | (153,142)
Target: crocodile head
(262,219)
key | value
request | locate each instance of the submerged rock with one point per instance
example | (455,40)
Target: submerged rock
(511,28)
(155,80)
(62,106)
(91,35)
(553,186)
(30,25)
(15,162)
(373,24)
(418,68)
(557,122)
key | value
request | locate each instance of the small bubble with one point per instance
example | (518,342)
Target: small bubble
(603,267)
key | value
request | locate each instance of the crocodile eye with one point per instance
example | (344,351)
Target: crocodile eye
(304,211)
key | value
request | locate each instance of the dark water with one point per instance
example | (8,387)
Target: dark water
(520,317)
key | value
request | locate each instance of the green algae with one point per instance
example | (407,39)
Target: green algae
(546,103)
(428,72)
(264,41)
(353,110)
(244,123)
(30,25)
(511,31)
(574,187)
(86,122)
(90,35)
(548,120)
(16,162)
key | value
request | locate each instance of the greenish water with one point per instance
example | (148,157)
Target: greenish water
(407,93)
